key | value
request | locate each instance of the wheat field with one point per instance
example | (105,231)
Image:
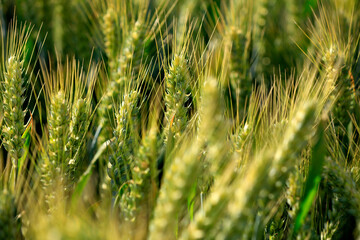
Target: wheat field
(186,119)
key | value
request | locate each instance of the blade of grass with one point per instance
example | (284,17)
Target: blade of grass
(191,200)
(313,180)
(84,179)
(27,136)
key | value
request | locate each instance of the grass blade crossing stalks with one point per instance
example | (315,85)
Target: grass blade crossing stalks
(314,178)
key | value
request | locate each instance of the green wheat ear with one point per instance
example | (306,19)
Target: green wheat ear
(126,131)
(275,170)
(12,107)
(260,20)
(79,125)
(176,85)
(58,125)
(130,57)
(239,75)
(58,24)
(133,202)
(346,200)
(55,155)
(108,29)
(180,174)
(16,58)
(128,63)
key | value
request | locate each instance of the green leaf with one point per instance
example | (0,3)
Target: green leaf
(191,200)
(313,180)
(12,179)
(84,179)
(27,136)
(309,6)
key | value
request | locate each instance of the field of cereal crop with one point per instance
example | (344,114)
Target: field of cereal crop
(187,119)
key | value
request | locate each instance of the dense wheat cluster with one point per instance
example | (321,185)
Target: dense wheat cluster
(188,119)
